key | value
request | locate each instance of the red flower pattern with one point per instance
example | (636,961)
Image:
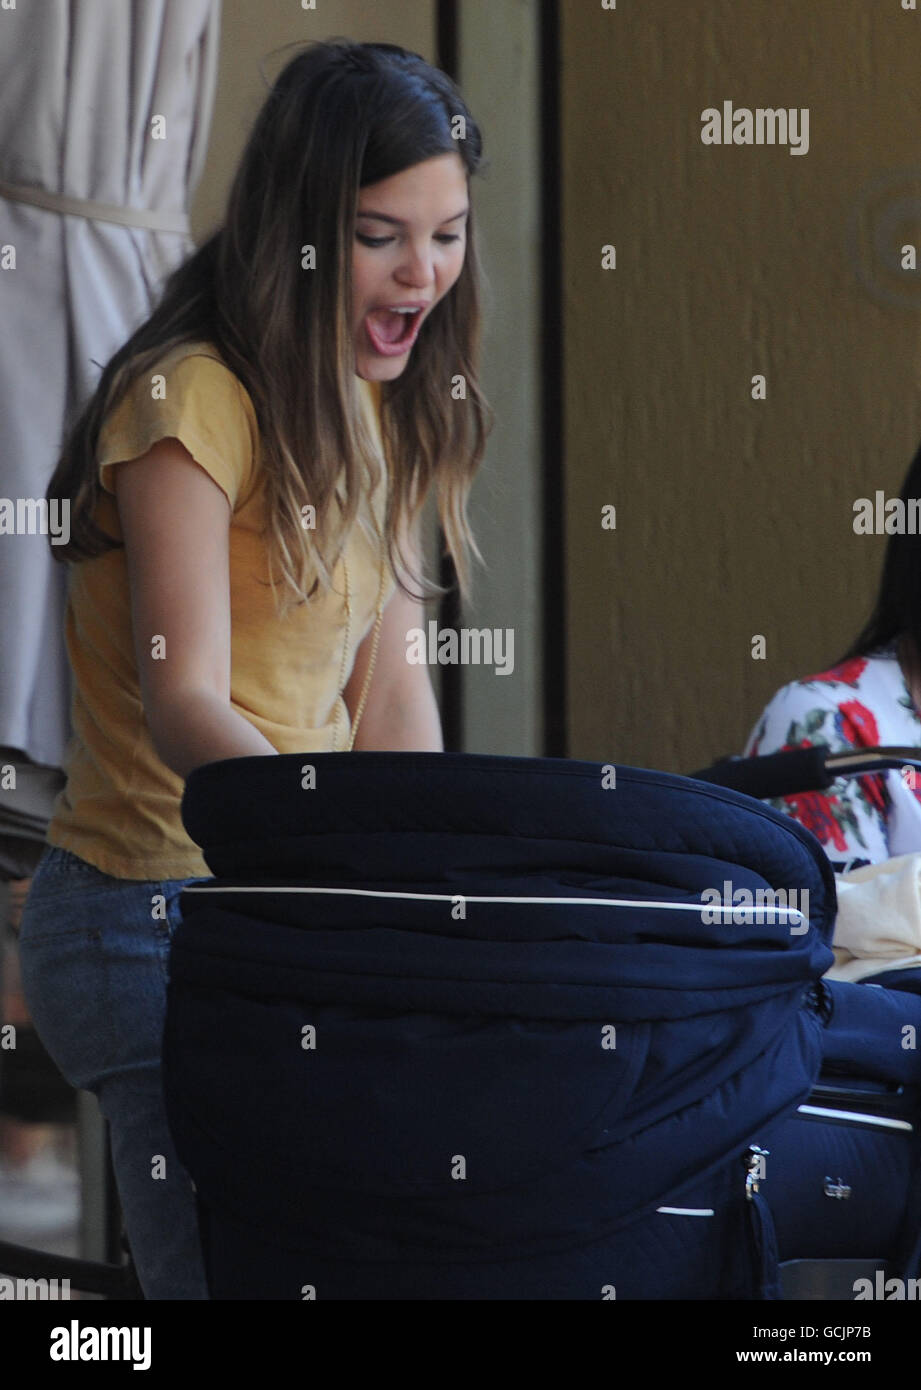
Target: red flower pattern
(847,673)
(862,721)
(816,813)
(872,789)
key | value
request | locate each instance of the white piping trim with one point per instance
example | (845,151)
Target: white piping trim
(686,1211)
(879,1120)
(793,912)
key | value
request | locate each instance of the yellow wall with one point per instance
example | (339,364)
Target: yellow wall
(250,32)
(734,517)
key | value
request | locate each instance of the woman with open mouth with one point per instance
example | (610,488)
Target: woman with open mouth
(245,487)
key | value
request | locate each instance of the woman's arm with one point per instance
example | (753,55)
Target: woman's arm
(401,713)
(175,524)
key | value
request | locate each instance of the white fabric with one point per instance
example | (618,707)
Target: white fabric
(878,926)
(80,81)
(904,822)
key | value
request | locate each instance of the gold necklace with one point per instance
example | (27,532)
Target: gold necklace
(379,618)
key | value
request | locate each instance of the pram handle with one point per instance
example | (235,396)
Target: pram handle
(803,769)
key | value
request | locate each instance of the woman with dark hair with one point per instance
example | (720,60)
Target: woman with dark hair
(869,697)
(283,414)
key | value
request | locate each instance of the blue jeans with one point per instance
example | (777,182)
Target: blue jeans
(94,963)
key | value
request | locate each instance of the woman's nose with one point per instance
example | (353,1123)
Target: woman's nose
(417,268)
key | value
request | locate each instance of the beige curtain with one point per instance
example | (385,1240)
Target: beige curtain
(105,108)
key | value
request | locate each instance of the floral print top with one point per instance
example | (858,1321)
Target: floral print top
(861,703)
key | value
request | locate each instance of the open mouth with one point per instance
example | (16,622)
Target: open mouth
(393,331)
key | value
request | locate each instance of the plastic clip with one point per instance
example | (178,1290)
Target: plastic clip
(751,1161)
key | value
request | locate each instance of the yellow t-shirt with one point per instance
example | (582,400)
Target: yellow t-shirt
(119,809)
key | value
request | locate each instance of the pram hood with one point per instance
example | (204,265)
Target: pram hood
(449,1024)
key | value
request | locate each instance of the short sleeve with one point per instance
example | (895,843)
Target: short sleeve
(196,400)
(850,818)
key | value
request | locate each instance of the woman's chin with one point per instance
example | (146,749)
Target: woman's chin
(372,367)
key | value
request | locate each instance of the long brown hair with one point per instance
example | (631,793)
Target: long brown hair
(340,116)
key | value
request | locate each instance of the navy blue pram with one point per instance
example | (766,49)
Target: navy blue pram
(454,1026)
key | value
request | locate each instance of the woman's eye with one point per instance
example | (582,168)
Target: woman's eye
(386,240)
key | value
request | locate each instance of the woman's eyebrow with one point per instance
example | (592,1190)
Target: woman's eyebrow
(398,221)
